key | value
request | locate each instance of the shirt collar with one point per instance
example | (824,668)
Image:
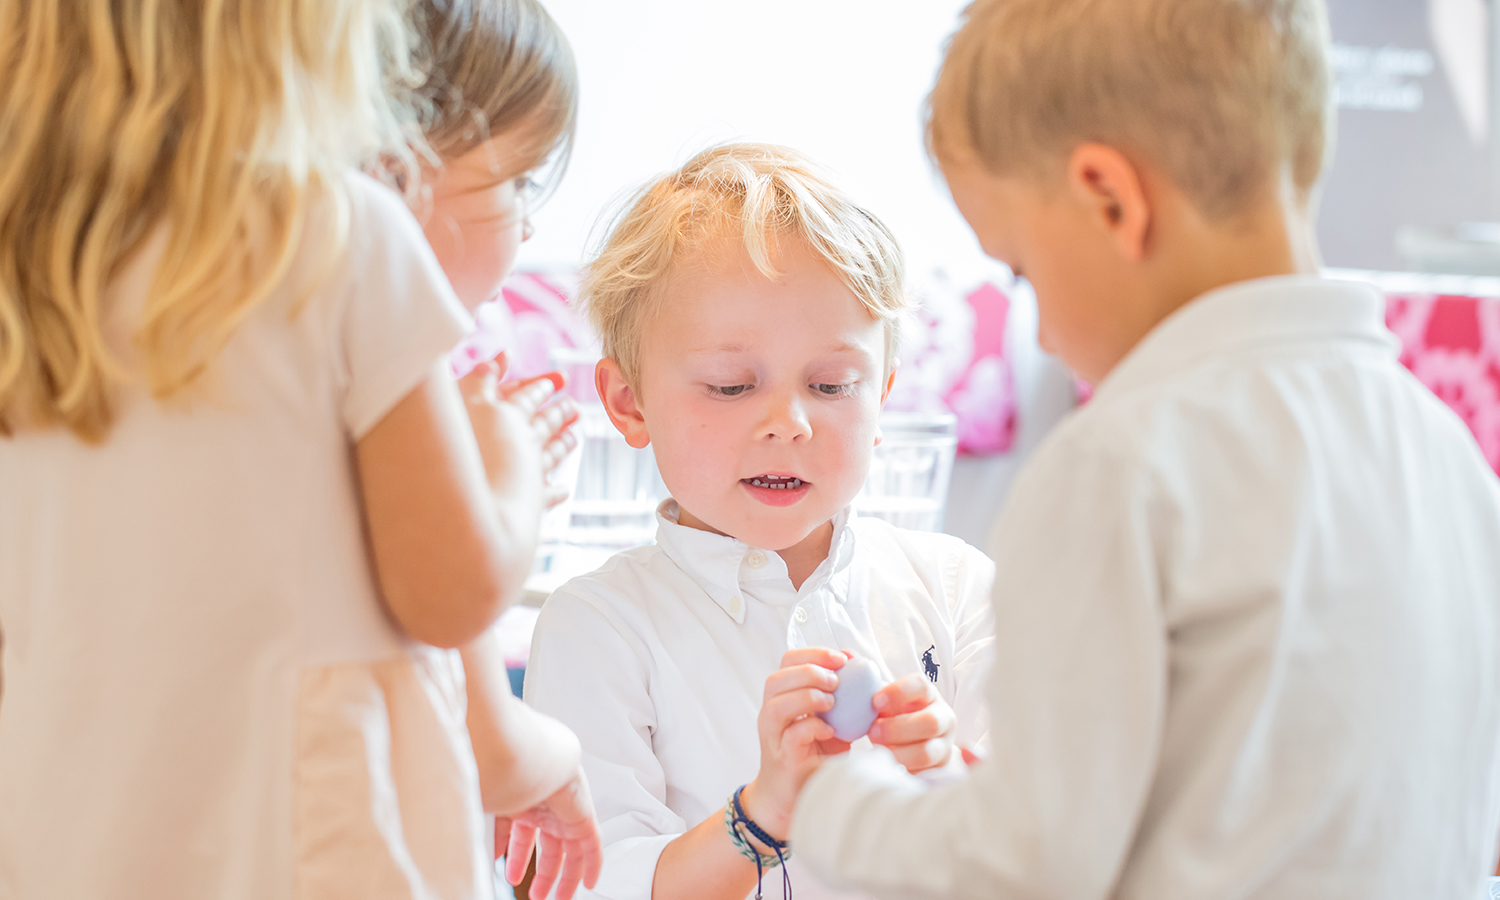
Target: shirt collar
(1277,310)
(724,566)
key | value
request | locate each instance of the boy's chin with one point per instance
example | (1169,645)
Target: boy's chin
(785,535)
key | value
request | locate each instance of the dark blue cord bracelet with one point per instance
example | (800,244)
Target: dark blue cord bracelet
(782,848)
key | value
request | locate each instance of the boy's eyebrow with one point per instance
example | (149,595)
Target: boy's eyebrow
(731,347)
(741,347)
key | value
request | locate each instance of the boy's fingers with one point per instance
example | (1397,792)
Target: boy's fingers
(816,656)
(794,678)
(832,746)
(926,755)
(808,731)
(783,708)
(906,694)
(911,728)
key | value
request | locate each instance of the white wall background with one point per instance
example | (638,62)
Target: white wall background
(840,80)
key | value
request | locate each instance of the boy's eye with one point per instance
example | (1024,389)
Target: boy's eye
(732,390)
(526,186)
(833,390)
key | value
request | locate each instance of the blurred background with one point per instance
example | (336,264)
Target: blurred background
(1406,205)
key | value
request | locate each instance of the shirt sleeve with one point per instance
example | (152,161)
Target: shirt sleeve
(587,671)
(971,578)
(399,314)
(1077,693)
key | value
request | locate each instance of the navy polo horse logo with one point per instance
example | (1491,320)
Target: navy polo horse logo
(929,665)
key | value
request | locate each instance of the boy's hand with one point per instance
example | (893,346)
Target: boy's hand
(914,723)
(564,833)
(793,740)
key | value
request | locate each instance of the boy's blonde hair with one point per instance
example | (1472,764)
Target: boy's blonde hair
(492,65)
(219,120)
(758,195)
(1223,95)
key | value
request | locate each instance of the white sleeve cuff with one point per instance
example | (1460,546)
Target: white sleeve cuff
(629,868)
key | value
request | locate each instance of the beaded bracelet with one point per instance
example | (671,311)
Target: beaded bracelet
(734,818)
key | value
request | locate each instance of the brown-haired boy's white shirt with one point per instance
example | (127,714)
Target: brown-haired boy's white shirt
(658,662)
(1248,638)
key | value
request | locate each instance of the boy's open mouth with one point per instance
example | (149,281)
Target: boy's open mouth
(776,490)
(775,482)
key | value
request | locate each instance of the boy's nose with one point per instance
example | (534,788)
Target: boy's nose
(785,418)
(526,230)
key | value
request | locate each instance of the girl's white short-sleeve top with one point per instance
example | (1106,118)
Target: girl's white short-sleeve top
(202,694)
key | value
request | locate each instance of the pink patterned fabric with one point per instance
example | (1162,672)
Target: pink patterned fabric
(1452,344)
(532,319)
(954,360)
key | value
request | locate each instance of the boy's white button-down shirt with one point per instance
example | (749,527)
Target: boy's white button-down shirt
(658,661)
(1248,638)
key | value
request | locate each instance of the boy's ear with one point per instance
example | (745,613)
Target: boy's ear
(620,403)
(1114,196)
(885,394)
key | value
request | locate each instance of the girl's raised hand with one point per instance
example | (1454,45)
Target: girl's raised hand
(515,424)
(793,740)
(554,424)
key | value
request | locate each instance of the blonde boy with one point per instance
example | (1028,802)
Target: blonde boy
(749,315)
(1248,601)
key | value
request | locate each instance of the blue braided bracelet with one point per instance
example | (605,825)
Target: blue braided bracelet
(734,817)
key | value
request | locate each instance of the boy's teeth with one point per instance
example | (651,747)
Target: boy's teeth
(780,484)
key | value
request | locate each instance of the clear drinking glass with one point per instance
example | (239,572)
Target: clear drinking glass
(909,475)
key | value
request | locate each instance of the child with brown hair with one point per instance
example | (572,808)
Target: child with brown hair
(1248,598)
(502,94)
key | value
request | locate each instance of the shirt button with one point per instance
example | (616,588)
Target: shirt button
(800,615)
(755,559)
(735,605)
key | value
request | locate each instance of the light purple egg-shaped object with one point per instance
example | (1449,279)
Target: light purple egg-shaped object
(853,713)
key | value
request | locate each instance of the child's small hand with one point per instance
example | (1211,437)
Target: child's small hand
(514,422)
(793,740)
(554,423)
(564,833)
(914,723)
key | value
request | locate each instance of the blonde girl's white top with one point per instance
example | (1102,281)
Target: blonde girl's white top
(658,661)
(202,695)
(1248,619)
